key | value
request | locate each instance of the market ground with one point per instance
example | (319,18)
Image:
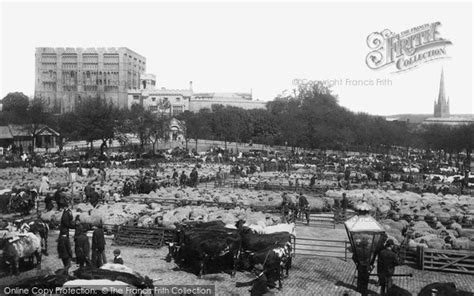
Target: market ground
(309,276)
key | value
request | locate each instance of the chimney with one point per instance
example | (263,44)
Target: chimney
(190,85)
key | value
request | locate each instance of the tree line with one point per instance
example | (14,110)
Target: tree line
(307,117)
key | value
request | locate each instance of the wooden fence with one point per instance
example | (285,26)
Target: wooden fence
(448,260)
(321,220)
(312,247)
(143,237)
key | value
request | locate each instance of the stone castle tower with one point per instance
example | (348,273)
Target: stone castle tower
(441,106)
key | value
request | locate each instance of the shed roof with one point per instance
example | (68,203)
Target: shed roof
(5,133)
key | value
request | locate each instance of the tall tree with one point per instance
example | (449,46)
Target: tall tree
(37,117)
(16,102)
(96,120)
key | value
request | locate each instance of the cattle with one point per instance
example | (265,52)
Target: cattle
(442,289)
(202,225)
(274,259)
(93,273)
(40,228)
(397,291)
(254,242)
(203,246)
(284,227)
(97,287)
(118,267)
(23,201)
(44,281)
(20,247)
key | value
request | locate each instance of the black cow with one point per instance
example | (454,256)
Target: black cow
(92,273)
(202,246)
(442,289)
(274,259)
(203,225)
(254,242)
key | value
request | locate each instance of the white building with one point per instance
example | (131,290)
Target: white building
(160,100)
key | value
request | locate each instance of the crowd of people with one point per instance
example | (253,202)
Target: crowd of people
(86,253)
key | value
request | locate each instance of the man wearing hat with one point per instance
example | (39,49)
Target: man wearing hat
(303,206)
(386,263)
(259,285)
(67,220)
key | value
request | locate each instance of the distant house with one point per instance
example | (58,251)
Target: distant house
(21,135)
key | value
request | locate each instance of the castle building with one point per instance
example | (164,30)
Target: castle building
(66,76)
(441,107)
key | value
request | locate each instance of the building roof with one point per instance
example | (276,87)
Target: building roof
(224,96)
(19,130)
(12,130)
(5,133)
(47,131)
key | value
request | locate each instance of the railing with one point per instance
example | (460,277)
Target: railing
(448,260)
(312,247)
(321,220)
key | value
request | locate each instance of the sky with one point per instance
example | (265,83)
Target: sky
(252,46)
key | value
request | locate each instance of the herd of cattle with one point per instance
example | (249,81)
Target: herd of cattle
(213,246)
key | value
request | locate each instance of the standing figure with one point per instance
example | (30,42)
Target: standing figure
(303,205)
(44,187)
(386,263)
(98,246)
(194,177)
(64,250)
(67,220)
(82,247)
(183,179)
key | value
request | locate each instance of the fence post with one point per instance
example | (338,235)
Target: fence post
(421,257)
(345,251)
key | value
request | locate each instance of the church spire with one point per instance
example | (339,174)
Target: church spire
(441,108)
(442,93)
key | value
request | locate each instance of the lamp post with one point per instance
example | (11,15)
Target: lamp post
(366,236)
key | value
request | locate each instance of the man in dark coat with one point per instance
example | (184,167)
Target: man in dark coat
(183,179)
(304,206)
(285,207)
(386,263)
(94,198)
(82,247)
(88,191)
(67,220)
(344,203)
(194,177)
(57,197)
(64,250)
(259,285)
(98,246)
(48,200)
